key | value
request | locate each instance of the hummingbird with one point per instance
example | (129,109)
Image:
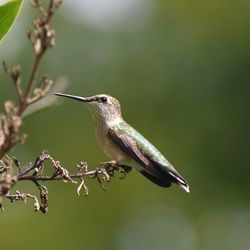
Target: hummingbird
(125,145)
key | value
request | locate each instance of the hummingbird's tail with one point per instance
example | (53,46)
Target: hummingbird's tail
(181,182)
(156,179)
(164,177)
(184,187)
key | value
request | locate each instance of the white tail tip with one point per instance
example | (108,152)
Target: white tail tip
(184,187)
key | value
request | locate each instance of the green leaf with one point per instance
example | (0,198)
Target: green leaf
(8,14)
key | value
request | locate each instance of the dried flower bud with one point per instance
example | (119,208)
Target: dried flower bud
(35,3)
(7,184)
(38,46)
(15,72)
(51,37)
(53,42)
(57,3)
(2,138)
(17,122)
(9,107)
(47,82)
(51,33)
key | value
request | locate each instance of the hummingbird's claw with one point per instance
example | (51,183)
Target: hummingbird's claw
(126,168)
(112,166)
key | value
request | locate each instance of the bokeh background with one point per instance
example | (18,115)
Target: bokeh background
(181,72)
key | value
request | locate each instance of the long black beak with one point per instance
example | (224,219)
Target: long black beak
(75,97)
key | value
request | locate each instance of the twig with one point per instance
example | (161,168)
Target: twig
(34,172)
(41,37)
(24,100)
(22,197)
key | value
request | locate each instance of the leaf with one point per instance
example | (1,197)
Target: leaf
(8,14)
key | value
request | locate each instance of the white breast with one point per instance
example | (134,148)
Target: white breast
(110,149)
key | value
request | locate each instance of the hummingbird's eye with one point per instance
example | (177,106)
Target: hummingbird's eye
(104,99)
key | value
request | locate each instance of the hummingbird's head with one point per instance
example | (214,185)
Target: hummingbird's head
(102,107)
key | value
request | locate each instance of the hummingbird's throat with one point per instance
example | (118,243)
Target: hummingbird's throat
(104,114)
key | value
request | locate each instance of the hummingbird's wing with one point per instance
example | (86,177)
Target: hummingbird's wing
(155,166)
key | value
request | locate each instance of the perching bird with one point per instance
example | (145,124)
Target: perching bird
(122,143)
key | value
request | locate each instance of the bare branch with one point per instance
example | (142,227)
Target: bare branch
(34,172)
(42,37)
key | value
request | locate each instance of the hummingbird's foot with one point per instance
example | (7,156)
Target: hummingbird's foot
(109,168)
(126,168)
(109,165)
(112,166)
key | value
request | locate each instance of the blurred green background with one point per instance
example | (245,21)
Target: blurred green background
(181,72)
